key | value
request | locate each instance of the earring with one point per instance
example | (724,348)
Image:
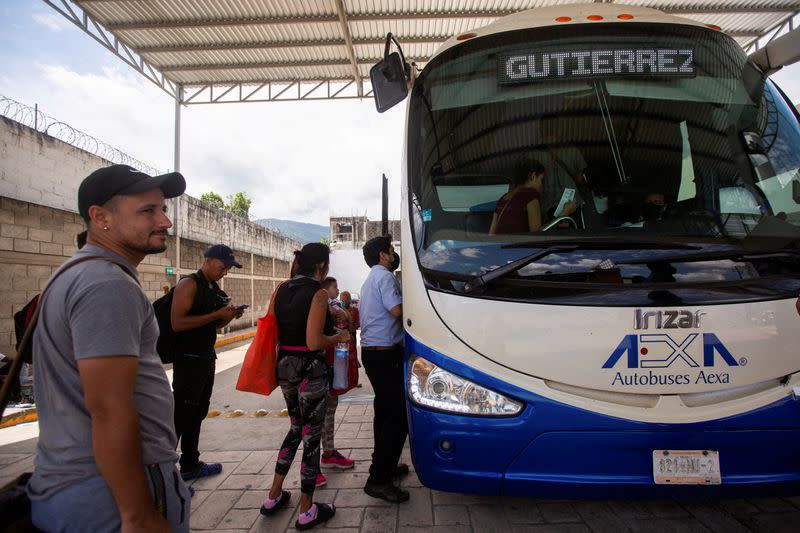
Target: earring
(105,228)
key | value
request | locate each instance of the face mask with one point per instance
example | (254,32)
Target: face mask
(395,264)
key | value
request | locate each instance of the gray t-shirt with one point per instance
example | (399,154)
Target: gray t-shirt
(94,309)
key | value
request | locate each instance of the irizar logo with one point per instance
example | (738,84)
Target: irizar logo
(670,359)
(666,319)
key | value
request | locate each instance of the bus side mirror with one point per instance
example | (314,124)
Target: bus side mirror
(389,82)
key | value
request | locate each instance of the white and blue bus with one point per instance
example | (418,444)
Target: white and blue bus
(645,343)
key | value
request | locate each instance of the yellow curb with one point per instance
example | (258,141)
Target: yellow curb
(23,417)
(235,338)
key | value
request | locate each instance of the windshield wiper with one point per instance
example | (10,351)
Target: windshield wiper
(565,246)
(481,280)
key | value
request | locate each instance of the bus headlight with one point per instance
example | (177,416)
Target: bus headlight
(431,386)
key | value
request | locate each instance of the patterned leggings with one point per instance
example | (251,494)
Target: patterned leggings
(330,424)
(304,382)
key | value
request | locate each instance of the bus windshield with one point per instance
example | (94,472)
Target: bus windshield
(596,132)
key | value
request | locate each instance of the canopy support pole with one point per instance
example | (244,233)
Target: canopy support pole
(177,168)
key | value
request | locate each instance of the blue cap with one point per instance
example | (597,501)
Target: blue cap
(224,254)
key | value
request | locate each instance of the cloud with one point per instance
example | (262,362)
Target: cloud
(51,21)
(789,80)
(295,160)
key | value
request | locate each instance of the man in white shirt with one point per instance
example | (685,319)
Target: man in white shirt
(381,312)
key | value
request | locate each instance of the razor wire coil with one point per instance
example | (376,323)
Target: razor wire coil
(35,119)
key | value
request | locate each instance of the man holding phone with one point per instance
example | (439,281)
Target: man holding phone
(199,308)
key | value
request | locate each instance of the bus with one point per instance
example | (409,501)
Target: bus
(627,327)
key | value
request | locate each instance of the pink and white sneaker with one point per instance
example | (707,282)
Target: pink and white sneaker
(337,460)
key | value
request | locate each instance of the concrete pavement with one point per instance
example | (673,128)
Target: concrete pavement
(246,445)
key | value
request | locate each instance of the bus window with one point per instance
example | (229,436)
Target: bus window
(778,166)
(650,149)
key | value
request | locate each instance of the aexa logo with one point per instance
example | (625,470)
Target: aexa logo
(636,345)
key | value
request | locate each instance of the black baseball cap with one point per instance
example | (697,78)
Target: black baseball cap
(104,183)
(224,254)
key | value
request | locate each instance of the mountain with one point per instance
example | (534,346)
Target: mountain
(301,231)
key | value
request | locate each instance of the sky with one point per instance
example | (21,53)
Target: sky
(296,160)
(302,161)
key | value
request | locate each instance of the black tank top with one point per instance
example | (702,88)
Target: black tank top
(200,341)
(292,305)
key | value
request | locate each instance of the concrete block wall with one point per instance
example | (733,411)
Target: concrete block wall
(35,241)
(202,222)
(262,290)
(263,266)
(40,169)
(239,291)
(39,179)
(282,268)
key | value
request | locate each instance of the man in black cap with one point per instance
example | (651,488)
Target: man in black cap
(101,390)
(199,308)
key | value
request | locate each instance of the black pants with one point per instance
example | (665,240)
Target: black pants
(192,383)
(385,371)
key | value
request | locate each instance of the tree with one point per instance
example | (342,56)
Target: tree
(239,205)
(326,241)
(213,199)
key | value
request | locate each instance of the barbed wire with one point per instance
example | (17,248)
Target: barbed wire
(33,118)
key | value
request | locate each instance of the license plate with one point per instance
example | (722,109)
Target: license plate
(686,467)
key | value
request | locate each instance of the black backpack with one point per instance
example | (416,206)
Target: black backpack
(21,320)
(168,338)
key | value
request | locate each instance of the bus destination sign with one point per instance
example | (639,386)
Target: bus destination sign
(526,67)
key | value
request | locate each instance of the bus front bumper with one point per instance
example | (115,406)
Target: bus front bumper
(553,450)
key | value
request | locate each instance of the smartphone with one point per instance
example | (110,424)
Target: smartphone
(568,196)
(242,307)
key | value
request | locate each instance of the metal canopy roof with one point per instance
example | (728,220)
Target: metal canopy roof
(210,51)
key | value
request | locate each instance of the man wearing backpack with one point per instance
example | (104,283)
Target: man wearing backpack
(106,452)
(199,308)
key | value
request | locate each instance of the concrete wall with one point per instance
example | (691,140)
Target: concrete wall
(40,169)
(39,178)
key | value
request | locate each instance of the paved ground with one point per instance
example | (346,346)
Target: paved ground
(246,446)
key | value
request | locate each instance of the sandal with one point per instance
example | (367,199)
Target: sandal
(324,513)
(282,501)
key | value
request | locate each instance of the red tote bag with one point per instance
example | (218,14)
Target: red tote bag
(258,372)
(258,368)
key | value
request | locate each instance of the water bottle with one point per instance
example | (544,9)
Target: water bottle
(341,355)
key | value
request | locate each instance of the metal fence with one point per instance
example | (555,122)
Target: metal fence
(33,118)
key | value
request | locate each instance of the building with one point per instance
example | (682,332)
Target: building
(348,233)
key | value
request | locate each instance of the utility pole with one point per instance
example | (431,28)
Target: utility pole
(384,206)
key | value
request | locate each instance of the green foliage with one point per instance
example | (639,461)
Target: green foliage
(213,199)
(239,204)
(326,241)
